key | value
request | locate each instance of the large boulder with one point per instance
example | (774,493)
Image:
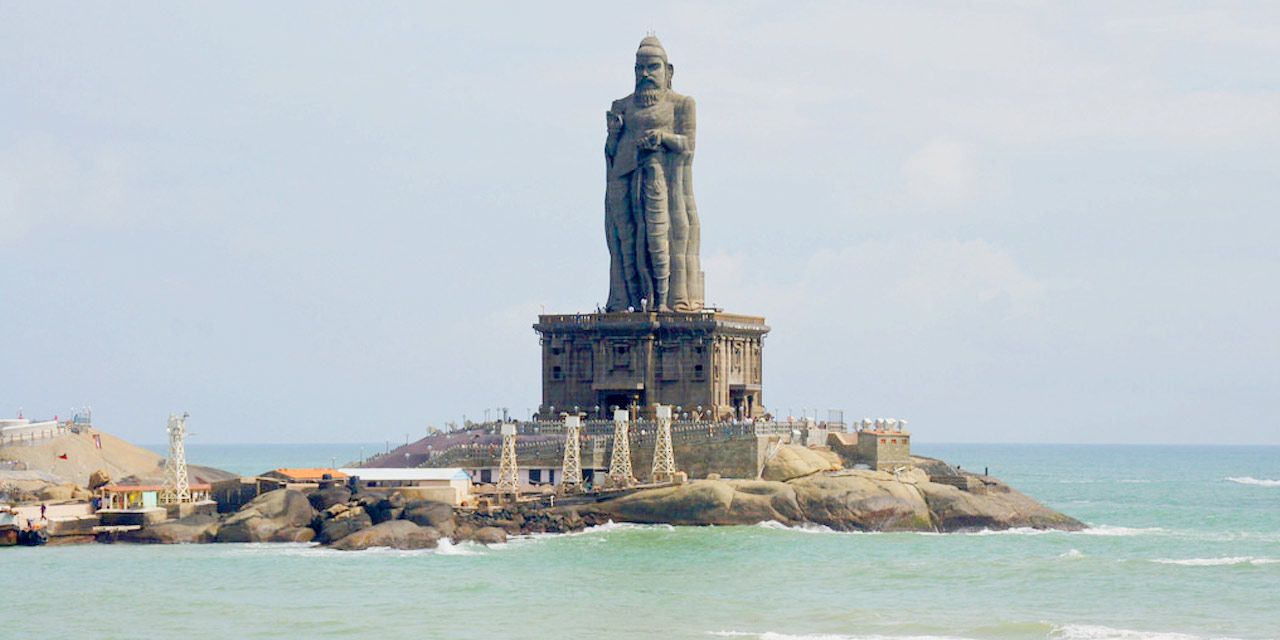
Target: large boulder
(195,528)
(99,478)
(703,502)
(265,515)
(794,461)
(57,492)
(397,534)
(489,535)
(343,524)
(324,498)
(995,507)
(428,513)
(862,501)
(294,534)
(382,507)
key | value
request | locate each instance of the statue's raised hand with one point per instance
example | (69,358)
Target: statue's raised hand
(651,140)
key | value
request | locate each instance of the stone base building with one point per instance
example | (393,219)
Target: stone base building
(706,363)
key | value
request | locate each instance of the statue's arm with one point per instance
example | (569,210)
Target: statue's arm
(613,122)
(686,126)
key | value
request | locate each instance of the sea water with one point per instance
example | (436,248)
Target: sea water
(1184,544)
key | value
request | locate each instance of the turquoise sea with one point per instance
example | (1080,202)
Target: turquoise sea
(1184,545)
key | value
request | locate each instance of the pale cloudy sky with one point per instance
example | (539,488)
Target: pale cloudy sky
(1003,221)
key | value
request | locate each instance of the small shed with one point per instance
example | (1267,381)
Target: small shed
(444,484)
(142,496)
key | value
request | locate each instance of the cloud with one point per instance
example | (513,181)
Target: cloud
(44,184)
(941,175)
(907,277)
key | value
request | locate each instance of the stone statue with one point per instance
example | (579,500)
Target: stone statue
(651,222)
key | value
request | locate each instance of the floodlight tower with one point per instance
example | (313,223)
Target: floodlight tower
(508,471)
(177,488)
(664,459)
(620,463)
(571,475)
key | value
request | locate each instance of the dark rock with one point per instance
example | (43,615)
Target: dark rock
(397,534)
(322,499)
(428,513)
(335,529)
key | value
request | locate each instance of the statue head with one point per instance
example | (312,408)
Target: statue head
(653,72)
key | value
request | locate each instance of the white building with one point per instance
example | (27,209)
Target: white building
(446,484)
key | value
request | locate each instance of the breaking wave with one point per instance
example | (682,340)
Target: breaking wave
(1254,481)
(1045,630)
(1217,562)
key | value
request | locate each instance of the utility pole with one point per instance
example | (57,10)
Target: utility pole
(508,471)
(620,464)
(664,459)
(571,473)
(177,488)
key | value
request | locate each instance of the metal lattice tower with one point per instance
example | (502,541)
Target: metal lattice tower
(620,463)
(664,458)
(177,488)
(572,469)
(508,472)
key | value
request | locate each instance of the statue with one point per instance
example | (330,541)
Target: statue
(651,222)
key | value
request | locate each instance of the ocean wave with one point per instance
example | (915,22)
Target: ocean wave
(1052,632)
(807,527)
(1254,481)
(1217,562)
(1098,632)
(448,548)
(1109,530)
(1073,553)
(774,635)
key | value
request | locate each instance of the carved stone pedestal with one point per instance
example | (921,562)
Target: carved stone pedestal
(707,362)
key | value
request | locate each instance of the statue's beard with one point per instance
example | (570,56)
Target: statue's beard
(647,95)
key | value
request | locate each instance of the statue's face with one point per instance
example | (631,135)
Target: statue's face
(651,73)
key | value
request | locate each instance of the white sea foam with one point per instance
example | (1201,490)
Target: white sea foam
(1015,531)
(1108,530)
(807,527)
(773,635)
(1254,481)
(1099,632)
(1217,562)
(448,548)
(1072,553)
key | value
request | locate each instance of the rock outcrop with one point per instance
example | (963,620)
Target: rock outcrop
(845,500)
(266,515)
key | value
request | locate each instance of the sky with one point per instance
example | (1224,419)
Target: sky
(330,222)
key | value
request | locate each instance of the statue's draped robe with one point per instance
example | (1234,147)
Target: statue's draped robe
(651,220)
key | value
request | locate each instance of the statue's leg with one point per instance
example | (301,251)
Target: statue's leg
(620,234)
(657,225)
(693,249)
(679,299)
(644,272)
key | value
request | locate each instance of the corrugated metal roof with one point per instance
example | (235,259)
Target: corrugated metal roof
(390,474)
(309,474)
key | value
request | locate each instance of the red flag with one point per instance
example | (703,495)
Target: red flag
(62,457)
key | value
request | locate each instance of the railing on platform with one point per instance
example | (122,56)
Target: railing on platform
(22,434)
(642,433)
